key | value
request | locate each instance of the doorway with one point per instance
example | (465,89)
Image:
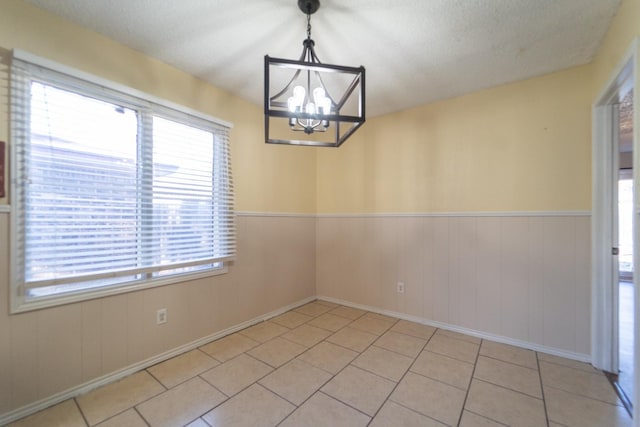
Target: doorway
(607,296)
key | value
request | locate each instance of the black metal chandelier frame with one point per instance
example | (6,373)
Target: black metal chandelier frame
(328,119)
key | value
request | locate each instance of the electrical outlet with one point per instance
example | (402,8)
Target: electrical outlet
(400,288)
(161,316)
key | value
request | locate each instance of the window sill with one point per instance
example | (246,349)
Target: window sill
(21,305)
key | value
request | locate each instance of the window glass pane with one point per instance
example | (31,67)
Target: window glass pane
(182,195)
(81,198)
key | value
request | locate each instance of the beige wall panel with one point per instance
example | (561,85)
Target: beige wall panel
(156,336)
(5,366)
(136,334)
(490,301)
(181,309)
(300,235)
(428,266)
(441,269)
(254,281)
(463,250)
(92,339)
(559,283)
(24,359)
(355,251)
(5,327)
(224,301)
(367,271)
(59,349)
(278,246)
(411,268)
(514,232)
(114,342)
(188,313)
(583,284)
(509,276)
(240,268)
(382,261)
(535,275)
(339,259)
(324,248)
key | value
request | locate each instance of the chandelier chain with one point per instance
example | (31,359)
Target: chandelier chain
(308,25)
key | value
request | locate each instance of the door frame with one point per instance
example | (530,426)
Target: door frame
(604,339)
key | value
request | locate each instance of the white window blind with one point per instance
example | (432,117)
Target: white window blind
(111,190)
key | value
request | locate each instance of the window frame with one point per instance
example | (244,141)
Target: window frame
(67,78)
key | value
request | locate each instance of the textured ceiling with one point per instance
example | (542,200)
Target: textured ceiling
(414,51)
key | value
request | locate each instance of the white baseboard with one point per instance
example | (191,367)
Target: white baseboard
(581,357)
(131,369)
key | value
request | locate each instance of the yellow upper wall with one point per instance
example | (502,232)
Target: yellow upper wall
(267,178)
(518,147)
(524,146)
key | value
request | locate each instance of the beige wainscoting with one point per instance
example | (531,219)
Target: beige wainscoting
(50,352)
(516,277)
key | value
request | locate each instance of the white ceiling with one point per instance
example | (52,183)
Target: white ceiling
(414,51)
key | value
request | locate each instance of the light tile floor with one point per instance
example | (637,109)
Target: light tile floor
(328,365)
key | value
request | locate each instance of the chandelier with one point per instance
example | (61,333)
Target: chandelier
(307,102)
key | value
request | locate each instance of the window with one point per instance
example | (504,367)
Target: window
(111,191)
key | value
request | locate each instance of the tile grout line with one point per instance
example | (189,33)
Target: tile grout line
(229,397)
(595,372)
(473,372)
(544,400)
(487,418)
(136,404)
(508,389)
(86,422)
(588,397)
(135,407)
(141,417)
(511,363)
(319,390)
(346,404)
(403,376)
(435,380)
(349,364)
(282,397)
(160,382)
